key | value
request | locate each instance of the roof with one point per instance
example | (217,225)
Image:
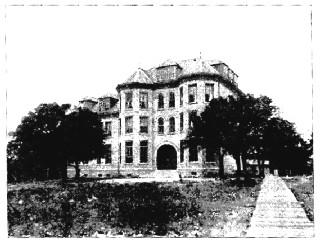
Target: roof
(186,68)
(109,95)
(140,76)
(196,66)
(91,99)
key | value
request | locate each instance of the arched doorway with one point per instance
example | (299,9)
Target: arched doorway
(166,158)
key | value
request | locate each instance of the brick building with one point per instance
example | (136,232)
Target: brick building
(147,121)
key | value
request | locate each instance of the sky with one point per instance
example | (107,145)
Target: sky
(63,53)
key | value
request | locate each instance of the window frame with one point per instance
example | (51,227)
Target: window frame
(181,96)
(172,100)
(162,101)
(145,118)
(162,125)
(128,157)
(172,125)
(190,88)
(127,106)
(193,148)
(143,151)
(127,124)
(181,122)
(106,129)
(210,87)
(141,94)
(108,154)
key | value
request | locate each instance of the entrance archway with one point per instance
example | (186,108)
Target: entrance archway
(166,158)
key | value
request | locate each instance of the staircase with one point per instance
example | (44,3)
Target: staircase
(163,175)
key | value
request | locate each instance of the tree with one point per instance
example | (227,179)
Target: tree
(83,138)
(233,125)
(286,150)
(35,150)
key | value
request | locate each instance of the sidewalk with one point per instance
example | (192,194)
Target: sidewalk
(278,213)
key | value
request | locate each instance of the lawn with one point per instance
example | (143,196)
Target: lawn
(303,189)
(93,209)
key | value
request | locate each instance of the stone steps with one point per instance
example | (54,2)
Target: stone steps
(163,174)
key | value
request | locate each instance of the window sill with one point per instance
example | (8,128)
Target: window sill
(192,102)
(171,133)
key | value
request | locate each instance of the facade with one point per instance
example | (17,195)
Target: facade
(148,120)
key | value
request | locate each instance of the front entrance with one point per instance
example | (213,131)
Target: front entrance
(166,158)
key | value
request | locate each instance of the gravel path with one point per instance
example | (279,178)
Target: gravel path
(278,213)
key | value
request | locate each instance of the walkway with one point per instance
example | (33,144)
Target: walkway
(278,213)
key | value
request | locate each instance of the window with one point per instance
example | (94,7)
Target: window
(119,126)
(181,151)
(144,124)
(181,122)
(193,153)
(172,125)
(102,106)
(160,126)
(210,154)
(192,93)
(144,151)
(129,125)
(107,128)
(128,100)
(192,116)
(181,96)
(120,153)
(209,92)
(108,154)
(171,100)
(143,101)
(160,101)
(129,157)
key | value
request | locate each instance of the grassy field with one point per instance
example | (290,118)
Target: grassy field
(303,189)
(92,209)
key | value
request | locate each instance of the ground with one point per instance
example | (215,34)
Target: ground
(92,209)
(303,189)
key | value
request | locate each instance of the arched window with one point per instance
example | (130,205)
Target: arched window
(160,101)
(160,126)
(172,125)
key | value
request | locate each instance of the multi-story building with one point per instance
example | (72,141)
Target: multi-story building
(147,122)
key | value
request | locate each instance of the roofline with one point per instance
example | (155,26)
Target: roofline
(181,79)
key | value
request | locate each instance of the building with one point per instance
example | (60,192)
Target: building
(147,121)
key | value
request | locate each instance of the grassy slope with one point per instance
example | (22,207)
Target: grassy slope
(146,209)
(303,189)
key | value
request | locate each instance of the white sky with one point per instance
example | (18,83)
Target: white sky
(64,53)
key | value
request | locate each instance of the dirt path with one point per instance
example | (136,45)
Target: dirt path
(278,213)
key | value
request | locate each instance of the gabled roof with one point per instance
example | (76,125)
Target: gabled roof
(140,76)
(196,66)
